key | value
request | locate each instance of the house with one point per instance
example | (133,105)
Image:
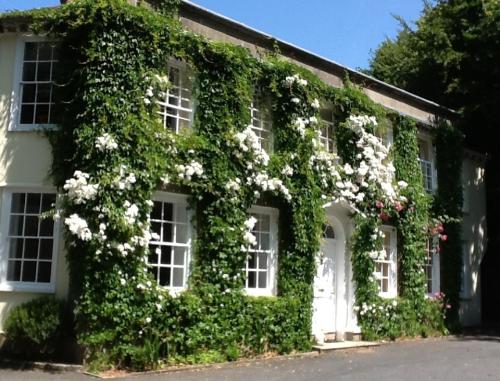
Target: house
(32,251)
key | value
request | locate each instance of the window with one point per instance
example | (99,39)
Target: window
(385,133)
(386,268)
(29,243)
(426,155)
(261,121)
(261,262)
(169,255)
(432,266)
(33,102)
(176,109)
(327,130)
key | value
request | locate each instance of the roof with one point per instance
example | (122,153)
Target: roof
(239,30)
(212,19)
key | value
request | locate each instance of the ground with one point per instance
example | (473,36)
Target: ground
(473,357)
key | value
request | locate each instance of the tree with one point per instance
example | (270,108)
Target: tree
(451,55)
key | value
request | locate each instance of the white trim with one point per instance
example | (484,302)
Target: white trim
(184,72)
(180,199)
(15,100)
(4,245)
(272,270)
(431,161)
(393,266)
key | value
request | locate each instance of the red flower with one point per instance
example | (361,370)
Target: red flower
(384,216)
(398,206)
(440,228)
(443,237)
(379,204)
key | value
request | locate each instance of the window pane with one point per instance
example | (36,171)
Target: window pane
(29,71)
(47,227)
(164,278)
(252,261)
(166,255)
(168,211)
(33,203)
(168,232)
(43,71)
(46,248)
(31,248)
(43,93)
(29,271)
(16,248)
(48,202)
(30,51)
(16,225)
(178,280)
(179,254)
(27,114)
(14,271)
(29,92)
(252,279)
(31,226)
(42,114)
(262,279)
(181,233)
(44,51)
(17,205)
(263,261)
(156,212)
(44,269)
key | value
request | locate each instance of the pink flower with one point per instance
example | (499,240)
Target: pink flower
(448,306)
(398,206)
(379,204)
(443,237)
(440,228)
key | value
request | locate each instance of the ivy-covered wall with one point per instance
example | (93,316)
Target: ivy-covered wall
(111,154)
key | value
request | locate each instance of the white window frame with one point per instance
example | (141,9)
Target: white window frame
(266,118)
(20,286)
(178,199)
(391,260)
(184,71)
(326,141)
(272,268)
(428,164)
(15,102)
(435,267)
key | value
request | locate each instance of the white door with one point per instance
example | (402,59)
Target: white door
(324,287)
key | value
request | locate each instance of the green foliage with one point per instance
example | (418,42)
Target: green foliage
(449,202)
(35,326)
(111,53)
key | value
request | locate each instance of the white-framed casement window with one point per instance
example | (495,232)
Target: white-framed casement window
(426,159)
(261,120)
(386,270)
(169,256)
(327,125)
(29,241)
(176,108)
(261,263)
(32,104)
(432,266)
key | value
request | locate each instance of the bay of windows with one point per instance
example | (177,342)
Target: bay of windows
(261,120)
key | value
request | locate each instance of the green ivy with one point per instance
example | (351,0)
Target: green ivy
(110,54)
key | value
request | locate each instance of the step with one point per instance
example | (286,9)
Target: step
(339,345)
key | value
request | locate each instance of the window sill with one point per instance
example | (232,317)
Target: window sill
(262,292)
(28,287)
(33,127)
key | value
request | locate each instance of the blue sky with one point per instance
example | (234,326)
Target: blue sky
(342,30)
